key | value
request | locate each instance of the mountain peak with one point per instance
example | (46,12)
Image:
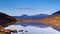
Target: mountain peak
(24,15)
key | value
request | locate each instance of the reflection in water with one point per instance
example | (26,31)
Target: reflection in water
(31,24)
(32,30)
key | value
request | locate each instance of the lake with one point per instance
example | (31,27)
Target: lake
(32,28)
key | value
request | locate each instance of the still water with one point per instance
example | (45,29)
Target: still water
(32,28)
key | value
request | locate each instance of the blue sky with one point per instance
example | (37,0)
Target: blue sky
(29,7)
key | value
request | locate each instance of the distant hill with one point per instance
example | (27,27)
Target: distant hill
(31,17)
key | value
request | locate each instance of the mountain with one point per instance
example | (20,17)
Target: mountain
(23,16)
(58,12)
(31,17)
(51,20)
(6,20)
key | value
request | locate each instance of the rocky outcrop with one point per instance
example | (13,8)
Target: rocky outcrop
(7,31)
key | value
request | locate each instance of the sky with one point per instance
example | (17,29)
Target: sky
(29,7)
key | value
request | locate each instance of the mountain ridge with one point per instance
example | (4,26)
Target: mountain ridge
(39,16)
